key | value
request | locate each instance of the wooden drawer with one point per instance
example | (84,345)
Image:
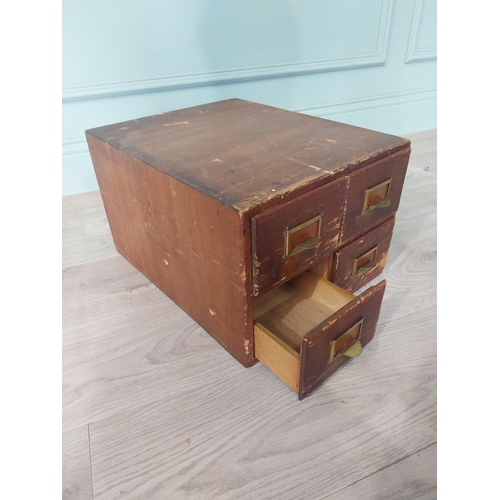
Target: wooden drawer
(290,238)
(373,195)
(308,328)
(358,262)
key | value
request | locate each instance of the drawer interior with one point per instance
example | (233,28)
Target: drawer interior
(285,315)
(299,305)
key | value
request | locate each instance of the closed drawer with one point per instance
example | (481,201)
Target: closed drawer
(290,238)
(308,328)
(373,195)
(358,262)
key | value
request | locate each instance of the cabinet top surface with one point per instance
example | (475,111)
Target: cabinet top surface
(243,154)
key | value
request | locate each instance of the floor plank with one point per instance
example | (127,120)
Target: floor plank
(100,243)
(410,273)
(76,468)
(81,207)
(123,362)
(173,415)
(417,212)
(105,288)
(410,479)
(411,276)
(249,437)
(425,139)
(74,245)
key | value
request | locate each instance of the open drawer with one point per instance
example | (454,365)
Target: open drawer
(307,328)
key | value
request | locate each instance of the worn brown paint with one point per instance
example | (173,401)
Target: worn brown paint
(315,350)
(244,154)
(343,261)
(270,267)
(198,199)
(355,221)
(188,245)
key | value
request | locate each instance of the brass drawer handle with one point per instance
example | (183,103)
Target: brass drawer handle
(377,197)
(380,204)
(365,268)
(348,344)
(306,244)
(352,349)
(368,261)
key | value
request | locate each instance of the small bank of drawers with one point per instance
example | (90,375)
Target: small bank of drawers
(305,326)
(260,223)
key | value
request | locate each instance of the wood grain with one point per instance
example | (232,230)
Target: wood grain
(211,442)
(98,290)
(246,435)
(411,276)
(299,306)
(76,469)
(100,243)
(183,241)
(277,355)
(74,245)
(356,222)
(142,356)
(378,238)
(81,207)
(269,267)
(412,478)
(245,154)
(314,361)
(417,213)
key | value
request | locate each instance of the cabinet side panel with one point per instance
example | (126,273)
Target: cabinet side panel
(188,245)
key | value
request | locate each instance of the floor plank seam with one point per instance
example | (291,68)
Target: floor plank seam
(152,402)
(160,445)
(377,471)
(88,261)
(184,357)
(90,459)
(97,321)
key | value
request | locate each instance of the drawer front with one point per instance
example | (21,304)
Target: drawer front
(373,195)
(290,238)
(329,346)
(358,262)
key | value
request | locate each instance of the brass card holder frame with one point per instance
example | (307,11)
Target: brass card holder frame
(359,271)
(385,202)
(352,349)
(305,245)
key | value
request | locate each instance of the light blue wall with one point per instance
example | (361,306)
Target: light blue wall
(370,63)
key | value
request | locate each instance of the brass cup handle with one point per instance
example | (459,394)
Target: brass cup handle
(305,245)
(352,349)
(380,204)
(308,244)
(365,268)
(381,191)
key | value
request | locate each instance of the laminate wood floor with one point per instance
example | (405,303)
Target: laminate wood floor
(154,408)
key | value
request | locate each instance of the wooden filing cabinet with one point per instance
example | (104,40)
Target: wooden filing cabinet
(260,223)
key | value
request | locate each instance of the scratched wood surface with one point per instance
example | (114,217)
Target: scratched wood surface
(171,414)
(243,154)
(184,242)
